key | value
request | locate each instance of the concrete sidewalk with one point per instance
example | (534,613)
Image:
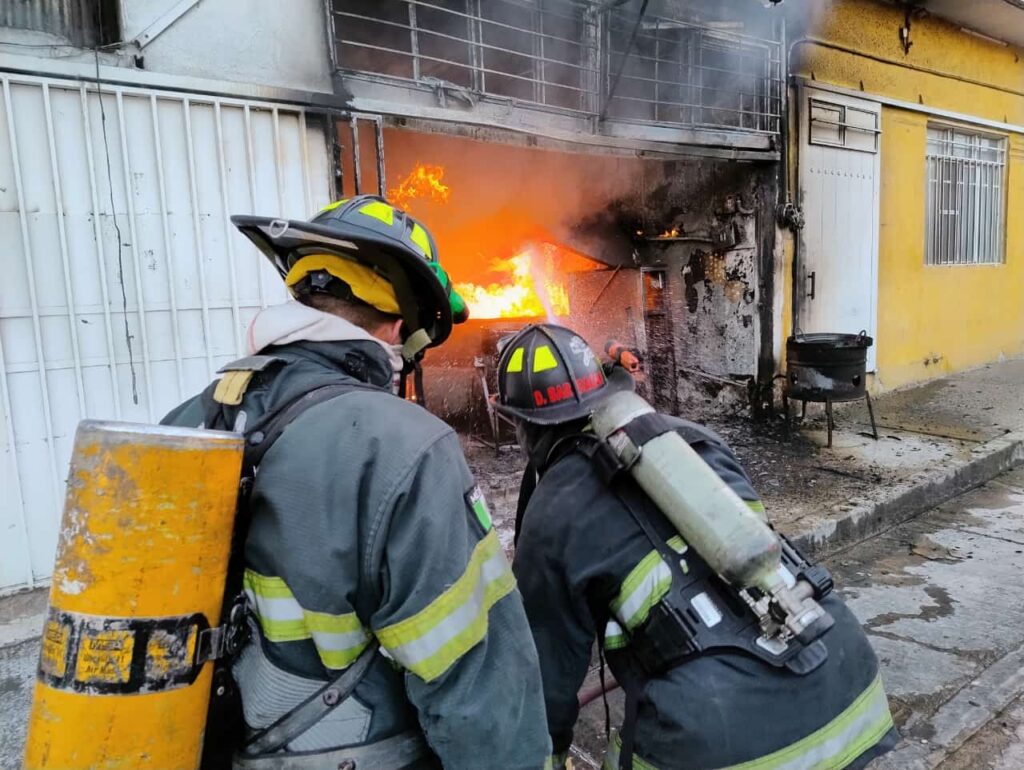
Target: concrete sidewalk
(936,441)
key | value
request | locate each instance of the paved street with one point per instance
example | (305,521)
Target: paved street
(943,601)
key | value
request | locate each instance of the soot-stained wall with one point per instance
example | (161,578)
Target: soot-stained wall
(706,242)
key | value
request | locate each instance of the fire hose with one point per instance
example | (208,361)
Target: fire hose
(592,693)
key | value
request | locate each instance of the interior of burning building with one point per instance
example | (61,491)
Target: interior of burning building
(659,255)
(659,248)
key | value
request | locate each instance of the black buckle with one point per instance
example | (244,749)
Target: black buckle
(663,641)
(819,578)
(225,641)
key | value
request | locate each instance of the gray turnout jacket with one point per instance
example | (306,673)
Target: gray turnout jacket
(587,570)
(365,522)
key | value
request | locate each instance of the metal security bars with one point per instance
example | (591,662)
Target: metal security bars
(85,23)
(563,56)
(965,198)
(688,74)
(125,285)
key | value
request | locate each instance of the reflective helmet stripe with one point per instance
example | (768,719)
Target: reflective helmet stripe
(332,206)
(543,359)
(379,210)
(515,361)
(420,238)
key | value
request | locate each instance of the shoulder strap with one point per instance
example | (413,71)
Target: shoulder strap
(261,436)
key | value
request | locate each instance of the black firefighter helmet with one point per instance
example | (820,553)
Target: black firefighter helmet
(548,375)
(365,248)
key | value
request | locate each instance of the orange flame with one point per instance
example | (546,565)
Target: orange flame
(531,288)
(530,293)
(673,233)
(423,182)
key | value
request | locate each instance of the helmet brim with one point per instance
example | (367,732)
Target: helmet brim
(619,380)
(277,239)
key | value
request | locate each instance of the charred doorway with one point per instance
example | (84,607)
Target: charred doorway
(659,255)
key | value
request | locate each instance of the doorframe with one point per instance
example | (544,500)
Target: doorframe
(805,93)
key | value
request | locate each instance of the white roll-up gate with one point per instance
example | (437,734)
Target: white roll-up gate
(123,285)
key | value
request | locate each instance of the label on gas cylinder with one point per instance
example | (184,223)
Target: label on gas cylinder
(119,656)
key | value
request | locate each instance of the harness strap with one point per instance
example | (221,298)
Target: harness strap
(396,753)
(527,486)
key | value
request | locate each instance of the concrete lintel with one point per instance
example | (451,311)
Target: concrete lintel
(577,142)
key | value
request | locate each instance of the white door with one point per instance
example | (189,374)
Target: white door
(839,179)
(123,285)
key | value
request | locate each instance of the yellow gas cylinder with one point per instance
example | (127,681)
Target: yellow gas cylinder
(138,581)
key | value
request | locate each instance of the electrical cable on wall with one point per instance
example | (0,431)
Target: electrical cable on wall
(113,216)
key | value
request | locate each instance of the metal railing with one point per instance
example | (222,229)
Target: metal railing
(566,56)
(965,198)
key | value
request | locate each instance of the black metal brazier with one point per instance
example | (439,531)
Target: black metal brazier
(827,367)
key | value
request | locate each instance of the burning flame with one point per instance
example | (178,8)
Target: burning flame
(529,294)
(530,289)
(673,233)
(423,182)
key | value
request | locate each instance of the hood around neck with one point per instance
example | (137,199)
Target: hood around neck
(294,322)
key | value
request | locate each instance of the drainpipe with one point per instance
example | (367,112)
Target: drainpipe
(762,396)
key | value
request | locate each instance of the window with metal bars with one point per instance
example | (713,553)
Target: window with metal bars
(85,23)
(569,56)
(965,197)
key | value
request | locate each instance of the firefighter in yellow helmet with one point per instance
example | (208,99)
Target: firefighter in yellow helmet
(385,629)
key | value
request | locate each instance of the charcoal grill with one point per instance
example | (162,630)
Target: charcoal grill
(827,368)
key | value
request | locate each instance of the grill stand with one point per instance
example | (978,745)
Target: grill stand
(830,419)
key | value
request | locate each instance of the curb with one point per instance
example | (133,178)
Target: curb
(912,497)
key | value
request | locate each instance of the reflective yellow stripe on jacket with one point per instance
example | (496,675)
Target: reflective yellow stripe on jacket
(430,641)
(644,586)
(338,638)
(832,747)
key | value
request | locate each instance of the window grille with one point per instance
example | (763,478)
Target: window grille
(86,23)
(563,56)
(840,125)
(965,198)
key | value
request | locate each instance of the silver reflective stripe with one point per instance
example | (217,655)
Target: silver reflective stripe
(863,724)
(275,609)
(339,638)
(614,636)
(431,642)
(648,591)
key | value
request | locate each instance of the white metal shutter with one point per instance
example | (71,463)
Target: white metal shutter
(114,230)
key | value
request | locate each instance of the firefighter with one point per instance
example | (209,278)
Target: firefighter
(385,628)
(594,562)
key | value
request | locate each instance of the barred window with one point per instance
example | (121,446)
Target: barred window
(965,199)
(85,23)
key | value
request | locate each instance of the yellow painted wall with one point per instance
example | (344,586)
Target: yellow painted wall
(962,316)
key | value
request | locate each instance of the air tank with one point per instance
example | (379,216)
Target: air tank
(734,541)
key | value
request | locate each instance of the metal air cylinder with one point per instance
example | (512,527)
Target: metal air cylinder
(139,579)
(731,538)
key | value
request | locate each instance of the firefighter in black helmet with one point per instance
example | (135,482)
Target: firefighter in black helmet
(593,562)
(386,632)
